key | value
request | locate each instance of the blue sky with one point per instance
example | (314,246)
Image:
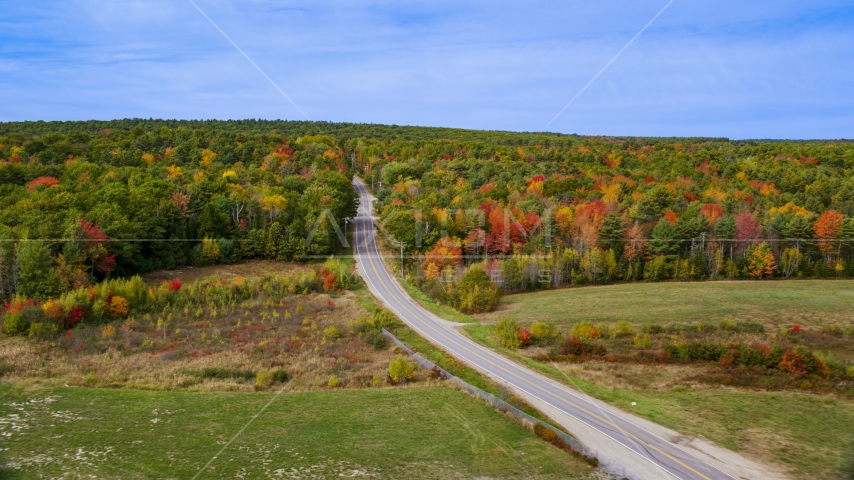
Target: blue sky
(760,69)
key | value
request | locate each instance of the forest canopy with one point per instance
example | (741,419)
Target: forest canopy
(83,201)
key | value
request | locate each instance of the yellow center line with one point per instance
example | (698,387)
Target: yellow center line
(606,421)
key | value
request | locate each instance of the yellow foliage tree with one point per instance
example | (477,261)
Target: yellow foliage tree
(119,306)
(206,158)
(274,204)
(175,172)
(761,262)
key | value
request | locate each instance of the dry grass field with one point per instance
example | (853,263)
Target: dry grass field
(314,338)
(247,270)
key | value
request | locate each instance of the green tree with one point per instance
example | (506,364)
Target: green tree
(612,230)
(397,172)
(8,262)
(477,293)
(213,223)
(665,239)
(36,277)
(653,203)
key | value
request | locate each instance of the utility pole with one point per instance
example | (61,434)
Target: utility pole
(401,245)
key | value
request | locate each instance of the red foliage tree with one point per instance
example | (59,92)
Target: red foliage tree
(747,230)
(95,247)
(47,182)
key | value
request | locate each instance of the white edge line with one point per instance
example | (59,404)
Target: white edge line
(477,367)
(564,388)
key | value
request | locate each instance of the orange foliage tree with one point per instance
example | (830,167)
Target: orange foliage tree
(446,253)
(827,229)
(761,261)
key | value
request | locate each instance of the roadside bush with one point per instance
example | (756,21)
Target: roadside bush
(643,342)
(653,329)
(549,435)
(332,332)
(584,330)
(221,373)
(108,332)
(832,330)
(625,329)
(280,375)
(34,314)
(705,327)
(677,328)
(543,332)
(793,362)
(263,380)
(36,330)
(741,326)
(375,338)
(812,363)
(744,356)
(507,331)
(696,351)
(400,370)
(582,348)
(524,337)
(333,382)
(14,324)
(381,319)
(54,311)
(341,271)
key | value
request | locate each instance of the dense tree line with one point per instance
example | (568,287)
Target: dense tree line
(595,209)
(84,201)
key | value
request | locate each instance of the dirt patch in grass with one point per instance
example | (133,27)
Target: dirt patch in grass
(633,376)
(250,269)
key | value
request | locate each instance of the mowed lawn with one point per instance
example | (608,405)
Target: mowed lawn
(806,302)
(426,432)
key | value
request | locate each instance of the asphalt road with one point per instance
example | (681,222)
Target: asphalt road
(669,459)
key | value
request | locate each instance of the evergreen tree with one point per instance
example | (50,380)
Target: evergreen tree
(36,278)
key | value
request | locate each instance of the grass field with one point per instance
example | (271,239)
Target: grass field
(805,302)
(434,432)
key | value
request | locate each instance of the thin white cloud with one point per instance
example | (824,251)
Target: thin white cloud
(705,69)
